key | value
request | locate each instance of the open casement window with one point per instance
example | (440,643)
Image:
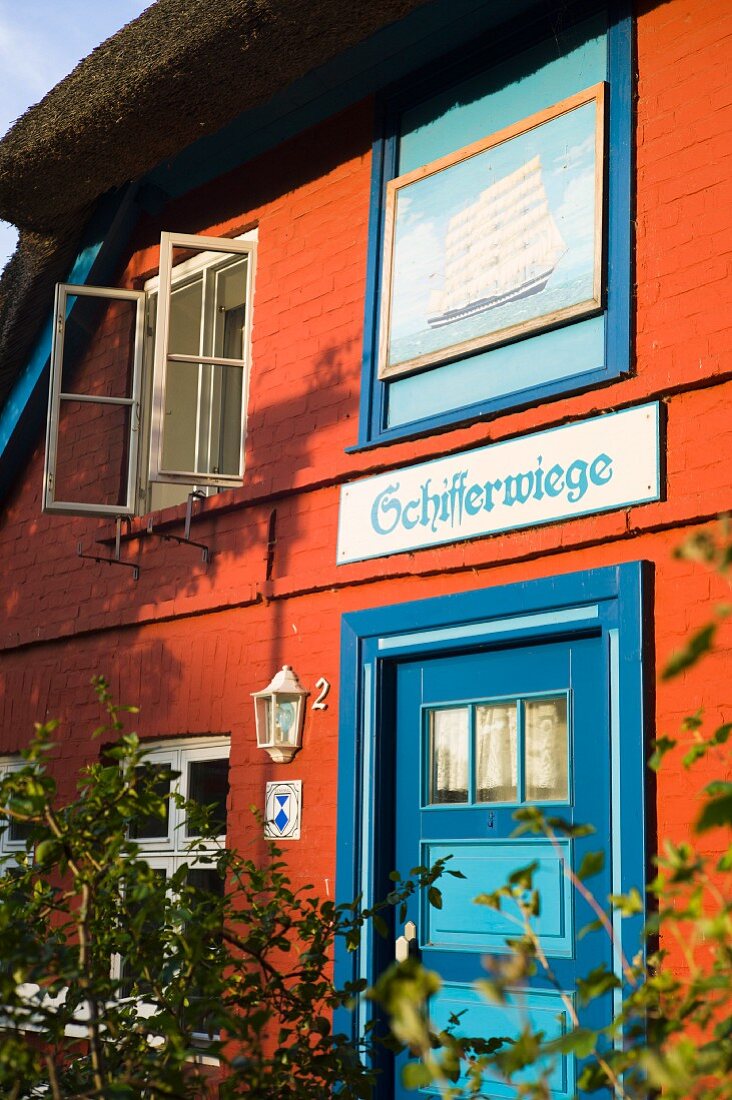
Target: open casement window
(201,368)
(141,413)
(94,401)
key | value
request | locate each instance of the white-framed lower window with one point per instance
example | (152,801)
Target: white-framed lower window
(13,833)
(148,390)
(198,770)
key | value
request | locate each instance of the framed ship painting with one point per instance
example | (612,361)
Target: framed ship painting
(498,240)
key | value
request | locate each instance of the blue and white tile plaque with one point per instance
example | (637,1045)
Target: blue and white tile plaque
(282,810)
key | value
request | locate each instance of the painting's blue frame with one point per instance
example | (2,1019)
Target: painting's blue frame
(373,429)
(610,602)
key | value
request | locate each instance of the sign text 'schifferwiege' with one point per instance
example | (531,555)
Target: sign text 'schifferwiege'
(591,466)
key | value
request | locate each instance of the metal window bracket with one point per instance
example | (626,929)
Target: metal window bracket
(116,560)
(185,539)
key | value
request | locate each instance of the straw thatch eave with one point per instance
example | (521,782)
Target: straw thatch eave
(182,70)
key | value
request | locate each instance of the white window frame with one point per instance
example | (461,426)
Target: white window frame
(146,430)
(168,241)
(50,504)
(170,851)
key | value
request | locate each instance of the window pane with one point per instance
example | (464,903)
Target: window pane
(449,755)
(223,449)
(207,880)
(19,830)
(546,749)
(231,285)
(131,971)
(153,826)
(186,306)
(495,753)
(180,416)
(99,346)
(202,422)
(208,785)
(92,453)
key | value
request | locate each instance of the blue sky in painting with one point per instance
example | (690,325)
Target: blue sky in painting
(40,42)
(566,147)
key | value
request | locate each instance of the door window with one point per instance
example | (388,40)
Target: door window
(500,750)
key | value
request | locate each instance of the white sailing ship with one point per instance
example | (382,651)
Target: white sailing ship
(502,247)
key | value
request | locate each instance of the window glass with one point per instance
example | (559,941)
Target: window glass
(495,753)
(449,755)
(99,346)
(208,785)
(180,416)
(154,825)
(86,429)
(499,751)
(545,766)
(186,305)
(231,284)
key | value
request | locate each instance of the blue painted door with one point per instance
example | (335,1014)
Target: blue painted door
(479,735)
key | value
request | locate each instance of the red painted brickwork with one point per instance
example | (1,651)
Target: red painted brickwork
(191,642)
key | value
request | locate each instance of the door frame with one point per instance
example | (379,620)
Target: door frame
(608,601)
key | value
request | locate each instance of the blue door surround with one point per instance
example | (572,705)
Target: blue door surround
(605,604)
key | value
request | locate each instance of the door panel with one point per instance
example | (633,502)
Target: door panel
(477,736)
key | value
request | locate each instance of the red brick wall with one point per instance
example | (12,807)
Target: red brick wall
(190,643)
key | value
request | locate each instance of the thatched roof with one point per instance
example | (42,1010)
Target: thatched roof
(182,70)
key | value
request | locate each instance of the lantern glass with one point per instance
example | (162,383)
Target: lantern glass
(263,713)
(286,718)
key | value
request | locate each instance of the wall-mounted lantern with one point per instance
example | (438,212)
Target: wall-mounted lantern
(280,711)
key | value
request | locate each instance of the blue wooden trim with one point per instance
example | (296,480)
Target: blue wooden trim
(106,234)
(373,429)
(482,631)
(616,592)
(620,191)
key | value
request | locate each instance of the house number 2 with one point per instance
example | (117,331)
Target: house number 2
(324,685)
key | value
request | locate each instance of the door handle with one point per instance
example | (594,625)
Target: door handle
(406,944)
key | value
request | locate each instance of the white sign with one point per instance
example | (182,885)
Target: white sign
(594,465)
(282,810)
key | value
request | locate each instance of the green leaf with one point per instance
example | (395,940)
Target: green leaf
(628,904)
(434,896)
(598,981)
(380,925)
(581,1042)
(717,811)
(592,863)
(523,877)
(416,1075)
(660,748)
(569,828)
(698,644)
(725,862)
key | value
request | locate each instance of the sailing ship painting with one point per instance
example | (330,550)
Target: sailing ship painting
(499,240)
(499,249)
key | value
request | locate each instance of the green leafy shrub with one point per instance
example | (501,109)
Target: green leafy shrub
(115,982)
